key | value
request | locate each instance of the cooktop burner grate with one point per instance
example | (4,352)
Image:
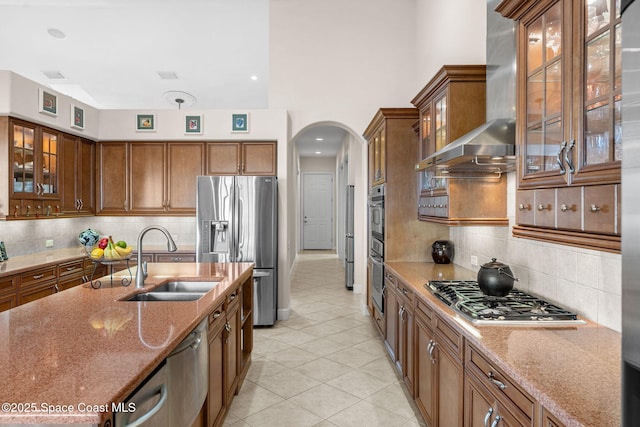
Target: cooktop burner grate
(515,308)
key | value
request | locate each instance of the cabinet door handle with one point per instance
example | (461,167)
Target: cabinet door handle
(496,421)
(594,208)
(487,417)
(559,157)
(432,346)
(496,382)
(542,207)
(15,211)
(404,292)
(57,289)
(28,210)
(564,208)
(567,156)
(48,210)
(38,209)
(524,207)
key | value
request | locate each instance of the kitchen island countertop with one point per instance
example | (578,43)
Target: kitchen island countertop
(574,372)
(76,352)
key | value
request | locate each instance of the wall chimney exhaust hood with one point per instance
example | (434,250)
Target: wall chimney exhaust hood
(488,148)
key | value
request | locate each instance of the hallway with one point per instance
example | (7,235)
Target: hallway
(326,365)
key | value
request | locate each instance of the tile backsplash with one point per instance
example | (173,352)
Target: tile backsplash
(29,236)
(586,281)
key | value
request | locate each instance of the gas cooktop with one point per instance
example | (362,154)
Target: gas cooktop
(516,308)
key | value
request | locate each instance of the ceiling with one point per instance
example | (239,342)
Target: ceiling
(117,54)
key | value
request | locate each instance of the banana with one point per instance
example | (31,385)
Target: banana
(123,252)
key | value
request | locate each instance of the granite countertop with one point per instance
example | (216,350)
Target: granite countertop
(86,348)
(22,263)
(574,372)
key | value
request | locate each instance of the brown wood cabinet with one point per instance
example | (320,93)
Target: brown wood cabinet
(78,176)
(569,116)
(452,104)
(394,130)
(242,158)
(439,372)
(154,178)
(216,399)
(493,396)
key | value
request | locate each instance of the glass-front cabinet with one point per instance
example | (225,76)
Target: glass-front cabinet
(569,120)
(35,162)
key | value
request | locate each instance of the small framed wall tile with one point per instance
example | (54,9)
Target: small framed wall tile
(145,122)
(193,125)
(47,103)
(77,117)
(240,122)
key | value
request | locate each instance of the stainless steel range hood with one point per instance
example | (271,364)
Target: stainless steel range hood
(490,147)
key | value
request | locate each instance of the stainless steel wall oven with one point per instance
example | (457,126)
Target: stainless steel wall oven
(376,246)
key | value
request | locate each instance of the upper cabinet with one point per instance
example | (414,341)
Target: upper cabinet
(242,158)
(78,176)
(150,177)
(569,120)
(452,104)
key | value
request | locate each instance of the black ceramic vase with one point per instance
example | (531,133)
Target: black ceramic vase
(442,252)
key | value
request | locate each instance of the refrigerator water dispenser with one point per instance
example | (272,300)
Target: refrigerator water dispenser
(219,236)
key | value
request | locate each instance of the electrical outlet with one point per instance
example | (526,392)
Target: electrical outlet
(474,260)
(48,243)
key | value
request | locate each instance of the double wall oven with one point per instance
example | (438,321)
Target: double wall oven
(376,245)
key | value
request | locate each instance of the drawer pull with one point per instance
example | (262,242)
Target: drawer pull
(595,208)
(496,421)
(496,382)
(177,259)
(71,268)
(232,297)
(404,292)
(38,276)
(488,417)
(217,314)
(542,207)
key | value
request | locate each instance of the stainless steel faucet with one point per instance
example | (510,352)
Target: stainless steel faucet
(141,271)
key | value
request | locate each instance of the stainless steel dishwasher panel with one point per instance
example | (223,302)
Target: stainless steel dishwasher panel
(151,403)
(188,372)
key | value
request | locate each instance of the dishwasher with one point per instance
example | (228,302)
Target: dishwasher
(188,377)
(174,394)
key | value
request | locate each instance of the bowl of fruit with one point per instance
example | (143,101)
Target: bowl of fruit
(108,250)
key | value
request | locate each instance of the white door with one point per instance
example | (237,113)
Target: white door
(317,211)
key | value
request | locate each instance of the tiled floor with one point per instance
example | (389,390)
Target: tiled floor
(325,366)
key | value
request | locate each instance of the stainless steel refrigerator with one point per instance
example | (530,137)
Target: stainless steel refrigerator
(348,247)
(237,221)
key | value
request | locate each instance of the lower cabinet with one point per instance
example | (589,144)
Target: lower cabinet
(216,399)
(230,344)
(493,398)
(439,374)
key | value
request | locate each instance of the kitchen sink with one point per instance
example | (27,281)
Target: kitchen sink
(184,286)
(166,296)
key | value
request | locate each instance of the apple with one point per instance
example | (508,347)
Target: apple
(103,242)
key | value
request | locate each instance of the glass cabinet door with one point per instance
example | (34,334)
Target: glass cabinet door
(426,134)
(440,108)
(49,181)
(23,157)
(602,83)
(545,127)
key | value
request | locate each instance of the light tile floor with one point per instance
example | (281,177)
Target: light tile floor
(326,365)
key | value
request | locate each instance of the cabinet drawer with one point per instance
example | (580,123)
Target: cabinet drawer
(175,258)
(390,279)
(450,337)
(70,282)
(424,312)
(40,275)
(36,292)
(524,204)
(545,208)
(570,208)
(500,384)
(8,284)
(233,298)
(72,268)
(216,317)
(405,293)
(599,208)
(380,321)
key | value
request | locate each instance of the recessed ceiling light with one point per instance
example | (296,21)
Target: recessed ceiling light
(254,78)
(319,139)
(318,152)
(56,33)
(167,75)
(54,75)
